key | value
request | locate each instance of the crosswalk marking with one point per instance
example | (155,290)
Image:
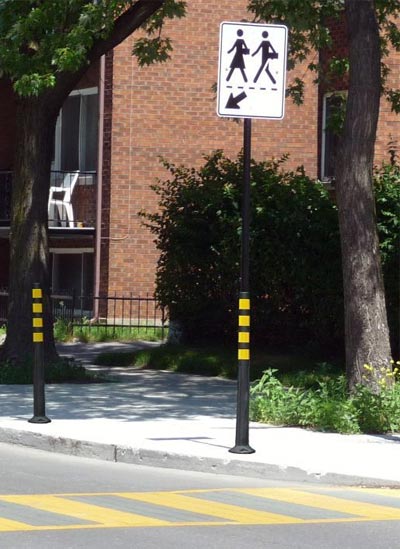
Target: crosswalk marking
(228,512)
(99,515)
(7,525)
(207,507)
(312,499)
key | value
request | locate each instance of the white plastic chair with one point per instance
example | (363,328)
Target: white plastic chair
(63,204)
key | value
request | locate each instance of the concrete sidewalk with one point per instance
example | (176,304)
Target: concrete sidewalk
(185,422)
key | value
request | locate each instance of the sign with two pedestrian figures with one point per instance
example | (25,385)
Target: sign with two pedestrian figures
(252,70)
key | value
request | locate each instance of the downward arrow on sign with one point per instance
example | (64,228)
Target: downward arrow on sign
(233,102)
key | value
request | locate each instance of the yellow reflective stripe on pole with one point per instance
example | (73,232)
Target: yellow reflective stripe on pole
(244,329)
(244,320)
(37,312)
(244,304)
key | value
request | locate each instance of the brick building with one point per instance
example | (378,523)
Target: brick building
(122,118)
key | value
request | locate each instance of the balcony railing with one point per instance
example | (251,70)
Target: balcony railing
(72,200)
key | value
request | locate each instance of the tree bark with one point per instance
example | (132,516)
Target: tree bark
(366,327)
(29,262)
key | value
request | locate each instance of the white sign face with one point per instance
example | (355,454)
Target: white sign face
(252,70)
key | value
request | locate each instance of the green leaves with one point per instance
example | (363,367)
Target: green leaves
(154,47)
(310,23)
(40,40)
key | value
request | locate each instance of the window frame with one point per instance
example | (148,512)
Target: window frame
(325,98)
(56,165)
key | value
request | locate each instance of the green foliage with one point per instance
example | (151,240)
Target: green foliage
(387,192)
(39,40)
(309,30)
(65,331)
(99,333)
(60,371)
(295,256)
(154,47)
(62,330)
(295,262)
(176,358)
(327,407)
(294,367)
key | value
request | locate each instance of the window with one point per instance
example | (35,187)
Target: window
(72,271)
(76,132)
(332,113)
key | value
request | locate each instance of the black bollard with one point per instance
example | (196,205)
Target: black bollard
(39,412)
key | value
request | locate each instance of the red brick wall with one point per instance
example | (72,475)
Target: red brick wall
(389,122)
(169,110)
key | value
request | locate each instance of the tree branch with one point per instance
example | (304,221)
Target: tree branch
(124,26)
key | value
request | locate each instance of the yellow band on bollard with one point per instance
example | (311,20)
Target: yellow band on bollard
(38,337)
(244,320)
(37,322)
(244,354)
(37,293)
(244,337)
(244,304)
(37,308)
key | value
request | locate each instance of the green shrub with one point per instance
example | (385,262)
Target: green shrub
(387,191)
(295,252)
(296,278)
(327,407)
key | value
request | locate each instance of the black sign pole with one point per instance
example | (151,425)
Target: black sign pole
(242,414)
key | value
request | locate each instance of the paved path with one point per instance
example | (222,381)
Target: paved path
(186,422)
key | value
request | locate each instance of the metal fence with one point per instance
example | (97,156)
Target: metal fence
(111,313)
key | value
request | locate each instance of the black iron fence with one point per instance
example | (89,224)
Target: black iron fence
(112,314)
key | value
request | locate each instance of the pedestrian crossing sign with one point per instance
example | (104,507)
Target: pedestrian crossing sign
(252,70)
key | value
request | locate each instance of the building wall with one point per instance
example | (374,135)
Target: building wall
(169,110)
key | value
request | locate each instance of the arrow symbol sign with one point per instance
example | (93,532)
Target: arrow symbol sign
(233,102)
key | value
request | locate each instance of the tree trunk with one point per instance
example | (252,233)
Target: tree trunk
(29,221)
(366,327)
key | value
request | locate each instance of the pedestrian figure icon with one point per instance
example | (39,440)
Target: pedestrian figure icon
(267,53)
(238,58)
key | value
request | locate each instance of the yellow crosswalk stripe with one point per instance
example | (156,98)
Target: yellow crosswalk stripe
(211,507)
(321,501)
(102,515)
(7,525)
(225,511)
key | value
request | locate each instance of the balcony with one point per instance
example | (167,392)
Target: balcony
(72,201)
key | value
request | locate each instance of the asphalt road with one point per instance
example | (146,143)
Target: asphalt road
(49,500)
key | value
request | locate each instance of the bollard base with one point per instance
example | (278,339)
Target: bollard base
(39,419)
(242,449)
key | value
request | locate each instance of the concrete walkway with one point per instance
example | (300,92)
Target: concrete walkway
(185,422)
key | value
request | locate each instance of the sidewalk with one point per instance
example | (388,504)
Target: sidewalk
(185,422)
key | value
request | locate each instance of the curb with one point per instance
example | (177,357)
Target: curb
(170,460)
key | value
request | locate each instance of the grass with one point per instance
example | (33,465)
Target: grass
(219,361)
(64,332)
(60,371)
(326,405)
